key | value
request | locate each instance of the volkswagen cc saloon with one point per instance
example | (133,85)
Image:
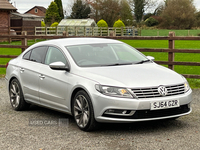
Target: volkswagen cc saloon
(96,80)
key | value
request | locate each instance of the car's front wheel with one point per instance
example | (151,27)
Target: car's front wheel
(83,111)
(16,96)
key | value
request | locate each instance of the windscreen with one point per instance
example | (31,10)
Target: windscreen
(105,55)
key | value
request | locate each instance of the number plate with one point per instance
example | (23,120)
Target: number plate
(164,104)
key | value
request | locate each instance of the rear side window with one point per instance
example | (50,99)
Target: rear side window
(27,55)
(38,54)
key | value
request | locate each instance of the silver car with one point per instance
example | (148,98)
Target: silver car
(96,80)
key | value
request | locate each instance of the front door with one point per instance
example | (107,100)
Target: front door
(53,83)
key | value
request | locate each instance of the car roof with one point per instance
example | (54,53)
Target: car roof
(77,41)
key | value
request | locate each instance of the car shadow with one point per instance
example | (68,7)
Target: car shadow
(136,127)
(49,113)
(145,127)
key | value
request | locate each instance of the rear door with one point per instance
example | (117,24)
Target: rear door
(29,72)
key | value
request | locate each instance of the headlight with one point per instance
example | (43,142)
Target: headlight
(187,86)
(113,91)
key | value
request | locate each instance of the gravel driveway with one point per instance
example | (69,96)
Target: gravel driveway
(40,128)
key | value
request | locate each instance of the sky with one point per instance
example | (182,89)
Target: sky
(25,5)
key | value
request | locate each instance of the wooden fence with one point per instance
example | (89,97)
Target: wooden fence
(171,50)
(18,30)
(86,31)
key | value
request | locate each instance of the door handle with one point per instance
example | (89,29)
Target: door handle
(41,77)
(21,70)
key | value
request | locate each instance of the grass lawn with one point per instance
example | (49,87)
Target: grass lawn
(194,83)
(156,32)
(11,51)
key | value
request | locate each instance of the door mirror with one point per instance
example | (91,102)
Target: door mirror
(59,66)
(151,58)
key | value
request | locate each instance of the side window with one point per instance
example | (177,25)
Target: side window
(27,55)
(54,55)
(38,54)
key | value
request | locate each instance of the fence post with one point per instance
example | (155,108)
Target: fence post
(93,31)
(171,54)
(45,30)
(66,30)
(56,30)
(76,33)
(24,40)
(10,39)
(35,31)
(84,31)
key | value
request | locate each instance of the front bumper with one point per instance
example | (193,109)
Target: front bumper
(139,109)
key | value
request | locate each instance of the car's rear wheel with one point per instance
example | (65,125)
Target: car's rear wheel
(83,111)
(16,96)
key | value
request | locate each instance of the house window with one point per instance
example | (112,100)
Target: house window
(36,10)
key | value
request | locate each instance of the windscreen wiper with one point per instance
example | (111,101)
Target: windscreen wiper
(143,61)
(117,64)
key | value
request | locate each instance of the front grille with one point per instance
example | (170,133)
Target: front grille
(153,92)
(144,114)
(148,114)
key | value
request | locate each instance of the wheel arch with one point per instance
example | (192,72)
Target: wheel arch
(73,95)
(10,80)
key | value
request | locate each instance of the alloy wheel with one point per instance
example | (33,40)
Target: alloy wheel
(14,94)
(81,111)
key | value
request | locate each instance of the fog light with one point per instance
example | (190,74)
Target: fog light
(119,112)
(110,111)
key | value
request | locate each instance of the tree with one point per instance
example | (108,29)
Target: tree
(178,14)
(52,14)
(197,15)
(60,8)
(139,9)
(68,8)
(80,10)
(141,6)
(95,9)
(159,9)
(126,13)
(108,10)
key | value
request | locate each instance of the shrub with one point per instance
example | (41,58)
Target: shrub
(55,24)
(158,18)
(42,24)
(118,24)
(151,22)
(147,16)
(53,30)
(102,23)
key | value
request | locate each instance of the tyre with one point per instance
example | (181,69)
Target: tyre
(83,111)
(16,96)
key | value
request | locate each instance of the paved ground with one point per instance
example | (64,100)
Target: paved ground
(40,128)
